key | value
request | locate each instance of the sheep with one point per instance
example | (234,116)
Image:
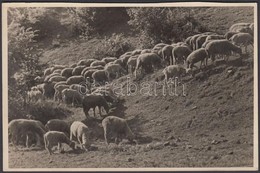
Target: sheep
(59,83)
(100,77)
(131,64)
(229,34)
(246,30)
(77,70)
(57,71)
(113,69)
(53,138)
(73,65)
(55,67)
(91,68)
(34,95)
(47,78)
(48,90)
(75,80)
(180,53)
(242,39)
(167,53)
(196,56)
(118,61)
(147,61)
(88,73)
(107,93)
(200,40)
(222,47)
(57,79)
(93,101)
(173,71)
(47,72)
(193,41)
(80,88)
(136,52)
(214,37)
(19,127)
(109,59)
(80,132)
(67,72)
(146,51)
(86,62)
(70,96)
(238,26)
(159,45)
(97,63)
(124,60)
(117,128)
(187,40)
(58,125)
(58,91)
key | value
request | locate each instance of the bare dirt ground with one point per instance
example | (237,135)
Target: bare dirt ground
(210,127)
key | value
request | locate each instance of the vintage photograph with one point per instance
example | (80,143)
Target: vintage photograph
(158,86)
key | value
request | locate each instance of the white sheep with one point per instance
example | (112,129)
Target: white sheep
(77,70)
(56,138)
(80,132)
(214,37)
(35,95)
(97,63)
(131,64)
(59,83)
(167,53)
(173,71)
(196,56)
(117,128)
(57,79)
(242,39)
(91,68)
(58,92)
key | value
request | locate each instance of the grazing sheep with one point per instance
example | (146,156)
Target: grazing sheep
(58,125)
(117,128)
(58,91)
(187,40)
(48,90)
(146,51)
(113,69)
(91,68)
(167,53)
(88,74)
(75,80)
(147,61)
(193,41)
(93,101)
(57,79)
(80,132)
(80,88)
(242,39)
(124,60)
(77,70)
(180,53)
(70,96)
(47,72)
(221,47)
(58,71)
(196,56)
(200,40)
(97,63)
(67,72)
(59,83)
(73,65)
(136,52)
(55,67)
(47,78)
(174,71)
(229,34)
(246,30)
(56,138)
(214,37)
(99,77)
(159,46)
(19,127)
(86,62)
(109,59)
(131,64)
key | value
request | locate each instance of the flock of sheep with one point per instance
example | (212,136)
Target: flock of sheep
(73,84)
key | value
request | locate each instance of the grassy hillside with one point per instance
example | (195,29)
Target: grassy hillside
(212,126)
